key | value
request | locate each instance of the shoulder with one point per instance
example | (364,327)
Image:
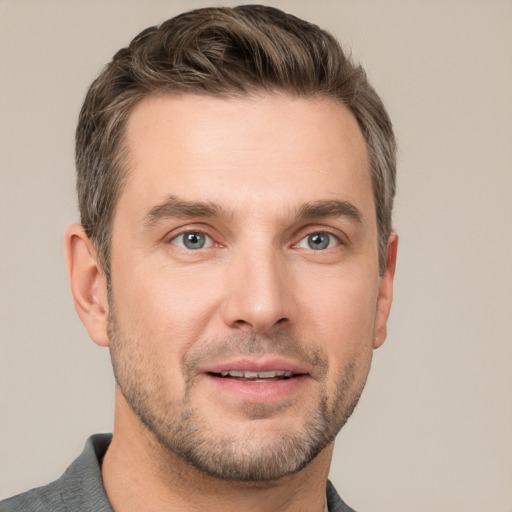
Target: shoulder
(79,489)
(39,499)
(334,501)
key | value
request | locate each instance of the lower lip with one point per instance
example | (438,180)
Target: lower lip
(253,391)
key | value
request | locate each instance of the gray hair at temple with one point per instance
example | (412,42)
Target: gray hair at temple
(222,52)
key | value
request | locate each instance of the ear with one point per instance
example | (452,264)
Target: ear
(88,283)
(385,293)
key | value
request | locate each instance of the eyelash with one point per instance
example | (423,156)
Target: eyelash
(210,242)
(332,238)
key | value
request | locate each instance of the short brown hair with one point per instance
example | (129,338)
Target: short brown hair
(222,52)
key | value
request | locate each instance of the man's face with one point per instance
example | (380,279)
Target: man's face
(244,278)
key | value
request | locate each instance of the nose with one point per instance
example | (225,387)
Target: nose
(259,292)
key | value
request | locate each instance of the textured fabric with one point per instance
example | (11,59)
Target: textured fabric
(334,502)
(80,488)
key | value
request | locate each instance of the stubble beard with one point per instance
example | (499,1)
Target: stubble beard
(182,430)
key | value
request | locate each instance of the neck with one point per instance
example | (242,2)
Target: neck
(140,474)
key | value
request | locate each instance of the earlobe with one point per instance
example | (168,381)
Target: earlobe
(385,292)
(88,283)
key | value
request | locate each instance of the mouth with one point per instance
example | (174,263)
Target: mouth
(255,376)
(258,381)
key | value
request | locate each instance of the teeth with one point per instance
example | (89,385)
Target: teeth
(232,373)
(256,375)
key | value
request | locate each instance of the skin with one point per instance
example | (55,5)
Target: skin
(256,292)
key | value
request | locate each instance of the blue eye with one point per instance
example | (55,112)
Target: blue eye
(318,241)
(192,240)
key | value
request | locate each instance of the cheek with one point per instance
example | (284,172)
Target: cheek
(342,318)
(346,325)
(164,306)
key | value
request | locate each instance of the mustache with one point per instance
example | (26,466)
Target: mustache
(242,344)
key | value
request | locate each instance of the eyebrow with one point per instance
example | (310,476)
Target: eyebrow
(176,208)
(330,208)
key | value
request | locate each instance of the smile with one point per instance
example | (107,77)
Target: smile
(268,381)
(251,376)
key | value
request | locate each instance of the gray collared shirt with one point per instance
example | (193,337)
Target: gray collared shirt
(80,488)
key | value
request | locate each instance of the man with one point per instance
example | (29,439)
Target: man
(236,175)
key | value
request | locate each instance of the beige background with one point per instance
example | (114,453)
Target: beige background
(434,428)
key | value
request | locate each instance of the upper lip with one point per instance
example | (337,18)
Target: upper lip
(257,365)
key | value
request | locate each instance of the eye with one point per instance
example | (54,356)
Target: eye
(318,241)
(192,240)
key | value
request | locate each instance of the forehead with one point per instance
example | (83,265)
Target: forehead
(249,153)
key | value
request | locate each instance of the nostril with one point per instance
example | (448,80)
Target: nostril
(245,325)
(242,324)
